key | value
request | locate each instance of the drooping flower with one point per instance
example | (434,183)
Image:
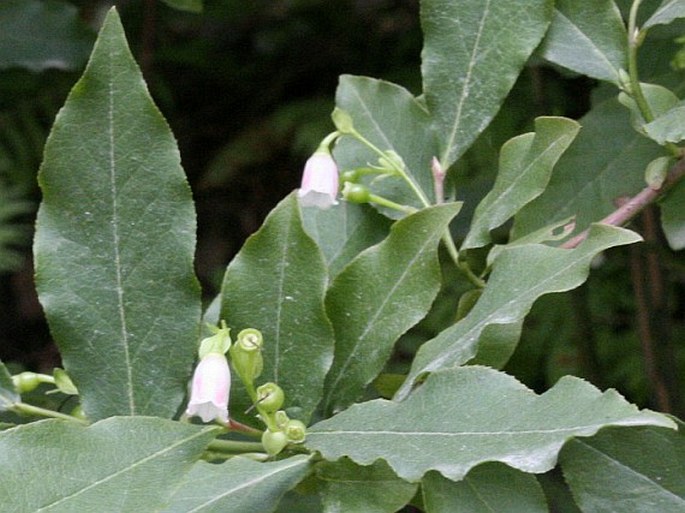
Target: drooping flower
(210,388)
(320,181)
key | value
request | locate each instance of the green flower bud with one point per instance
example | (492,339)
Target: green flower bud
(274,442)
(296,431)
(281,418)
(270,397)
(351,175)
(356,193)
(63,382)
(342,121)
(246,355)
(217,343)
(78,412)
(26,381)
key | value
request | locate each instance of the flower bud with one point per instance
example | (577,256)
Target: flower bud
(270,397)
(356,193)
(296,431)
(26,381)
(63,382)
(246,355)
(210,389)
(342,121)
(320,181)
(281,418)
(274,441)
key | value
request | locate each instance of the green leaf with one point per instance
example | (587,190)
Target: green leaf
(123,464)
(659,98)
(488,487)
(343,231)
(594,172)
(391,119)
(628,470)
(239,485)
(668,11)
(380,295)
(355,489)
(115,242)
(8,392)
(463,417)
(473,53)
(276,284)
(185,5)
(39,35)
(525,165)
(669,127)
(520,276)
(588,36)
(673,216)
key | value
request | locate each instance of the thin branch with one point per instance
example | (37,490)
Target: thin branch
(633,206)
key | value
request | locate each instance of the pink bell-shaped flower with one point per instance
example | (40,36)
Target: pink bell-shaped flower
(320,181)
(210,388)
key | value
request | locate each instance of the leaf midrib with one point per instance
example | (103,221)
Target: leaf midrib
(116,239)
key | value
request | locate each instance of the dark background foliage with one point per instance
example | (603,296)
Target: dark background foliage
(247,88)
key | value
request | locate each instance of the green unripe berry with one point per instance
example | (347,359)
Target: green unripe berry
(274,441)
(356,193)
(270,397)
(296,431)
(26,382)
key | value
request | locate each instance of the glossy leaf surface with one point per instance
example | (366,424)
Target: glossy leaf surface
(115,242)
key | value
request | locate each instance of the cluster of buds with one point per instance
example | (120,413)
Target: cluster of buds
(211,385)
(321,177)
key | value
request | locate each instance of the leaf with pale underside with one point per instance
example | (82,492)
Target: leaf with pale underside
(115,242)
(473,53)
(520,276)
(460,418)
